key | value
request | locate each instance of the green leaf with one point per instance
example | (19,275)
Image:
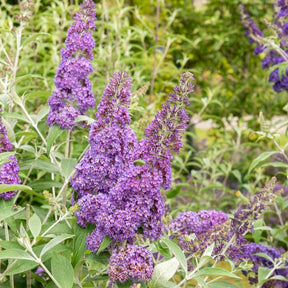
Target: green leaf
(163,249)
(139,162)
(10,245)
(212,271)
(262,157)
(16,116)
(202,283)
(12,187)
(126,284)
(45,184)
(15,254)
(237,175)
(279,277)
(263,272)
(79,244)
(62,270)
(276,164)
(206,256)
(21,266)
(67,166)
(163,272)
(106,241)
(4,157)
(7,212)
(38,94)
(265,256)
(84,118)
(42,113)
(223,284)
(33,37)
(53,134)
(35,225)
(55,241)
(177,252)
(40,165)
(103,258)
(209,250)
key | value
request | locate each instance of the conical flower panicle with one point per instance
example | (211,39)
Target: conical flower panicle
(112,141)
(73,95)
(122,198)
(113,108)
(163,134)
(134,203)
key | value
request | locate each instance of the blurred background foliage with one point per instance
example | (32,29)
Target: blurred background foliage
(205,38)
(156,41)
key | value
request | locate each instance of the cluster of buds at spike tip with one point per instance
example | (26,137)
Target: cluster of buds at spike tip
(73,95)
(8,170)
(276,53)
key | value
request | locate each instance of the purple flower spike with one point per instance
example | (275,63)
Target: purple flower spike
(132,262)
(112,142)
(9,170)
(163,134)
(118,181)
(73,95)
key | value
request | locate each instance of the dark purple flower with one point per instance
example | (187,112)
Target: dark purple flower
(285,29)
(283,5)
(131,262)
(112,141)
(5,144)
(73,95)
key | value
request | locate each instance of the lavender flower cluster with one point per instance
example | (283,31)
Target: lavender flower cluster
(272,56)
(73,95)
(117,194)
(9,170)
(133,262)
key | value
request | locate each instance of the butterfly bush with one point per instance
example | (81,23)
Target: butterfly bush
(9,170)
(73,95)
(118,181)
(273,56)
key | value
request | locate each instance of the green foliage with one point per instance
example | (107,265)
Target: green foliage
(237,155)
